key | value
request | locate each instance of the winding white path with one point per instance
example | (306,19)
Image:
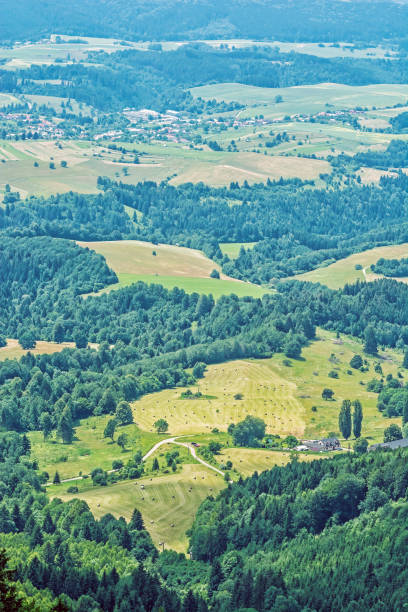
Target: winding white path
(154,448)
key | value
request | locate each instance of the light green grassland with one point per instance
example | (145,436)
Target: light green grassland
(168,503)
(194,285)
(343,271)
(282,396)
(171,267)
(86,162)
(305,99)
(249,460)
(89,449)
(232,249)
(310,138)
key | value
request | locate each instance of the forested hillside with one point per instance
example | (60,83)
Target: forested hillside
(182,19)
(306,536)
(160,79)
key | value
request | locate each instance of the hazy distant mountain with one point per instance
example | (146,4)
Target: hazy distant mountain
(325,20)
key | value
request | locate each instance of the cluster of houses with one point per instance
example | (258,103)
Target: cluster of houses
(38,127)
(333,444)
(320,446)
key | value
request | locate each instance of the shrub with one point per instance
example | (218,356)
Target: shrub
(72,489)
(356,362)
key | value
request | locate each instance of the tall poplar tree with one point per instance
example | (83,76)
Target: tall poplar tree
(357,418)
(345,419)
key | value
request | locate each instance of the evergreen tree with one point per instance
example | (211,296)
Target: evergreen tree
(9,600)
(370,341)
(155,465)
(345,419)
(357,418)
(65,427)
(110,428)
(136,522)
(405,360)
(48,525)
(216,577)
(57,479)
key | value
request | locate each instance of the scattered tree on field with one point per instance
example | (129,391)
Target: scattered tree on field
(110,429)
(57,479)
(161,425)
(124,415)
(327,394)
(122,440)
(356,362)
(249,432)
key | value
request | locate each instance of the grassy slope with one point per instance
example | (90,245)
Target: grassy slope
(265,394)
(343,271)
(89,449)
(168,503)
(232,249)
(282,396)
(304,99)
(171,267)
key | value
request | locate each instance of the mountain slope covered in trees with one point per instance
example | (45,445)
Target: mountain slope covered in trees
(332,20)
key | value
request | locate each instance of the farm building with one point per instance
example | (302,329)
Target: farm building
(403,443)
(326,444)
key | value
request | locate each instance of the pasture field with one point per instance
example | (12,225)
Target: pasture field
(310,376)
(305,99)
(87,161)
(168,503)
(336,275)
(249,460)
(232,249)
(137,257)
(282,396)
(171,267)
(212,286)
(89,448)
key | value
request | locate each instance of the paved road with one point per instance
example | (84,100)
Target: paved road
(154,448)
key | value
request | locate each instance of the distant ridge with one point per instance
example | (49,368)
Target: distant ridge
(293,20)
